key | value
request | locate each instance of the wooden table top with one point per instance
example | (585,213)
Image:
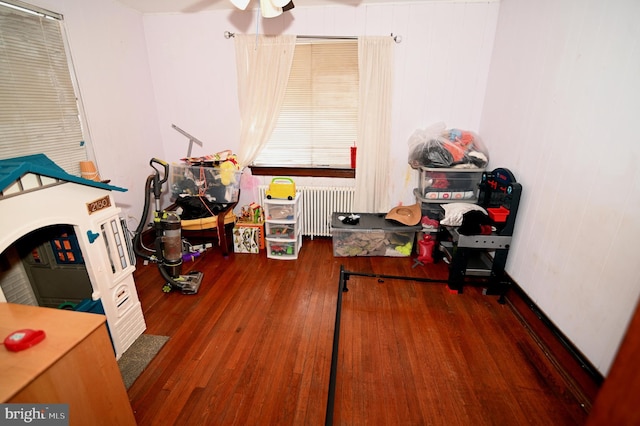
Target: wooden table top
(64,330)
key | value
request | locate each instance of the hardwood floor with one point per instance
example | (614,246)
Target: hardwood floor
(254,347)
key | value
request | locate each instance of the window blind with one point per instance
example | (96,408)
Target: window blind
(319,118)
(38,106)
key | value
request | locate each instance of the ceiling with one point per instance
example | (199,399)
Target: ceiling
(191,6)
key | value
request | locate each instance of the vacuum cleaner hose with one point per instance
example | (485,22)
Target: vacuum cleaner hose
(137,243)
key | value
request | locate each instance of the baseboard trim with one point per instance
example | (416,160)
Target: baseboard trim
(582,378)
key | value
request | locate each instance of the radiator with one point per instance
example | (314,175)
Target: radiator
(318,205)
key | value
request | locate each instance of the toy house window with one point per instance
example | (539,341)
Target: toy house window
(35,256)
(37,88)
(66,250)
(116,245)
(318,122)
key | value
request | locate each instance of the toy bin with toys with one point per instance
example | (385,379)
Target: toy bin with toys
(283,249)
(213,183)
(372,235)
(281,210)
(281,230)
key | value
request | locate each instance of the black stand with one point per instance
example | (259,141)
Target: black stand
(342,288)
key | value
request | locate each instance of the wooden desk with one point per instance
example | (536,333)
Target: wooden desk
(75,364)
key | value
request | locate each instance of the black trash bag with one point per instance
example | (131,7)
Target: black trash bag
(194,207)
(430,153)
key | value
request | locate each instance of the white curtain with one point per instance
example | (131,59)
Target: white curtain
(263,66)
(375,62)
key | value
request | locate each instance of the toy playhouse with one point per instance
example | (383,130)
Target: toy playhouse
(65,246)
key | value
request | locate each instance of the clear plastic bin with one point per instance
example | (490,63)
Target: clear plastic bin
(280,210)
(215,184)
(281,230)
(283,249)
(441,184)
(372,236)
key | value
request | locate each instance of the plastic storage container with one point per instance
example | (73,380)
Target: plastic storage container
(284,249)
(441,184)
(372,236)
(283,228)
(280,210)
(217,185)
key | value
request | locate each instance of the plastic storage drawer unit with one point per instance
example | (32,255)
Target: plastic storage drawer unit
(283,228)
(372,236)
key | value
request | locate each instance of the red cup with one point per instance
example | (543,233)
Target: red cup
(353,157)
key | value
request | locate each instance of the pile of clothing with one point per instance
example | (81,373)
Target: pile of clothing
(437,146)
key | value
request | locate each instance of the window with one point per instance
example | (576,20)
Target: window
(318,122)
(39,110)
(66,250)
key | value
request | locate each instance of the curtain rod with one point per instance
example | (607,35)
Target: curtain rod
(396,38)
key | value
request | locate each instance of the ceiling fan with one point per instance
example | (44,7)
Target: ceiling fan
(268,8)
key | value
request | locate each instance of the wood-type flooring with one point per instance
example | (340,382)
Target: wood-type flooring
(254,347)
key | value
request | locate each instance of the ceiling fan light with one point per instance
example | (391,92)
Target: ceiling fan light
(240,4)
(269,10)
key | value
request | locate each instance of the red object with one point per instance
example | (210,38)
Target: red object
(353,157)
(439,181)
(23,339)
(486,230)
(498,214)
(426,249)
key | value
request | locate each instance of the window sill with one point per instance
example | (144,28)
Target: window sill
(345,172)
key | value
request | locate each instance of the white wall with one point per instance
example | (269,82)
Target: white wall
(109,54)
(562,104)
(441,69)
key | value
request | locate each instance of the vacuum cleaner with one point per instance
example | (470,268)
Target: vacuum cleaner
(167,250)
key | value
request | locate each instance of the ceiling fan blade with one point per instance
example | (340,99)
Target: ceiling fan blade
(197,5)
(240,4)
(280,3)
(269,10)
